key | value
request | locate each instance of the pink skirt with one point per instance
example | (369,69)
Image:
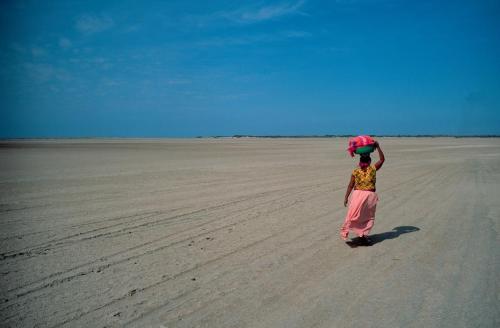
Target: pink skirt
(361,214)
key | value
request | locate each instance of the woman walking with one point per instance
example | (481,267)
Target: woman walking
(361,213)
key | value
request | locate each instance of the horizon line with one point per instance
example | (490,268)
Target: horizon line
(237,136)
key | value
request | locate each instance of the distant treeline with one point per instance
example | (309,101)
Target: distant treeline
(352,135)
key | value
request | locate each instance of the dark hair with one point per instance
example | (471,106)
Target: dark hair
(365,159)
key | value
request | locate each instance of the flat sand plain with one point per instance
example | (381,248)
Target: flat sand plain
(244,233)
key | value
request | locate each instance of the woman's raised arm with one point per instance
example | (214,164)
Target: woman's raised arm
(381,161)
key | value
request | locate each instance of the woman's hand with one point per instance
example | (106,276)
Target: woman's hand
(345,202)
(376,144)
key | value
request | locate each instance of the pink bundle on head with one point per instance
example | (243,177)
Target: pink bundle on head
(358,142)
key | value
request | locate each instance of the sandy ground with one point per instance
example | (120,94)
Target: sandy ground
(244,233)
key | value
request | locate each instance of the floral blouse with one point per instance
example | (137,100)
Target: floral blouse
(365,180)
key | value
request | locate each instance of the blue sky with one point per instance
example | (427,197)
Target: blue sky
(189,68)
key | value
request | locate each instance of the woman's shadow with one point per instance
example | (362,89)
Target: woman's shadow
(380,237)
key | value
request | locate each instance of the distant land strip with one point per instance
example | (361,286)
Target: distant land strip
(353,135)
(262,136)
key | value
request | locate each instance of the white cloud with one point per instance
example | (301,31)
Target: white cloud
(132,28)
(258,38)
(255,15)
(18,48)
(178,81)
(297,34)
(110,82)
(38,51)
(91,62)
(65,43)
(250,14)
(89,24)
(42,73)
